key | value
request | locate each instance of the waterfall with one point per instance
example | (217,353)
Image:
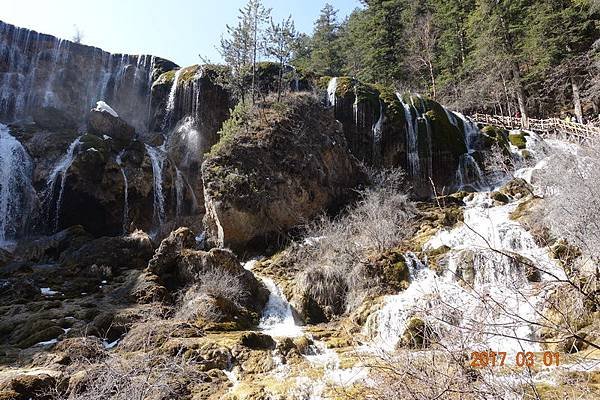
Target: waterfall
(170,107)
(16,191)
(331,89)
(429,172)
(126,192)
(58,56)
(60,172)
(469,175)
(470,130)
(412,146)
(179,191)
(377,138)
(157,158)
(277,318)
(492,309)
(38,65)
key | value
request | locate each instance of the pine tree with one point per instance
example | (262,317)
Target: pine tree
(495,29)
(326,57)
(245,44)
(280,39)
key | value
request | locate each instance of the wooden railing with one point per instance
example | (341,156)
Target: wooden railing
(551,127)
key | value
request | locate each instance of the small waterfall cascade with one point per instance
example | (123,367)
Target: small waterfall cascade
(59,56)
(125,192)
(157,159)
(37,66)
(58,176)
(331,90)
(484,291)
(277,319)
(170,107)
(184,104)
(429,172)
(469,175)
(412,144)
(377,136)
(16,191)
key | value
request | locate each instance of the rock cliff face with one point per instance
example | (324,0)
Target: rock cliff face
(40,71)
(283,168)
(387,129)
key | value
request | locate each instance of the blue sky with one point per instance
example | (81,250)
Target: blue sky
(178,30)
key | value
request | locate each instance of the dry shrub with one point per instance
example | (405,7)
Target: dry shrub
(140,376)
(198,301)
(334,248)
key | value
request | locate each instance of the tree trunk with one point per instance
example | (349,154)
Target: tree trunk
(577,101)
(280,79)
(254,50)
(521,99)
(432,76)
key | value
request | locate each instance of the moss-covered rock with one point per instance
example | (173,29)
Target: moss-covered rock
(418,334)
(391,269)
(519,140)
(268,177)
(499,197)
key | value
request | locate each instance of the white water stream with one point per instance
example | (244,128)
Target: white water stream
(60,172)
(125,194)
(16,191)
(157,159)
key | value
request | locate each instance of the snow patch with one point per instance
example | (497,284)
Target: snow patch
(103,107)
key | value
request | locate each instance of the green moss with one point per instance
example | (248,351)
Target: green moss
(495,136)
(445,135)
(166,79)
(394,110)
(323,82)
(418,334)
(187,74)
(391,267)
(345,86)
(518,140)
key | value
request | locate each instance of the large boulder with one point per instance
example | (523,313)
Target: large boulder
(122,252)
(167,255)
(264,179)
(104,121)
(49,248)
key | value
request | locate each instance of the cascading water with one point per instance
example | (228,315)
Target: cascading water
(38,65)
(468,175)
(486,297)
(377,136)
(16,191)
(157,159)
(59,172)
(170,107)
(277,318)
(126,192)
(331,90)
(412,130)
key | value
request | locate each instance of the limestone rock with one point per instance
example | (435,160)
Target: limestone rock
(166,256)
(267,179)
(131,251)
(103,122)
